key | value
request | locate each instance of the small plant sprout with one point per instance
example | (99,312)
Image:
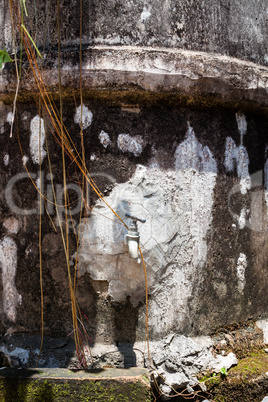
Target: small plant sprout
(4,58)
(223,372)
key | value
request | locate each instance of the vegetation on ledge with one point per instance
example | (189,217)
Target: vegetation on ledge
(246,382)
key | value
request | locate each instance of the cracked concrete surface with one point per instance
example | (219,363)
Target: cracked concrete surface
(177,205)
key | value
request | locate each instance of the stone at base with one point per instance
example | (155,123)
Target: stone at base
(246,382)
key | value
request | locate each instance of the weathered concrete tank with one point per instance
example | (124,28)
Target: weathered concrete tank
(174,124)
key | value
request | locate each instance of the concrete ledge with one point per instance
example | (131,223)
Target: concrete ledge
(120,385)
(193,78)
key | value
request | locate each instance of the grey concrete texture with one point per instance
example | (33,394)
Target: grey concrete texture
(193,71)
(238,29)
(204,242)
(175,131)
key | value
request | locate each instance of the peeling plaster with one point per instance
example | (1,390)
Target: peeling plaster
(126,143)
(37,140)
(6,160)
(25,115)
(192,155)
(16,355)
(12,225)
(145,14)
(104,139)
(263,325)
(10,118)
(38,183)
(86,117)
(242,218)
(242,125)
(242,169)
(25,159)
(240,271)
(196,172)
(177,205)
(238,155)
(8,261)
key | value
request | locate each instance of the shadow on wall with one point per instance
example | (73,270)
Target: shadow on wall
(125,315)
(125,326)
(16,387)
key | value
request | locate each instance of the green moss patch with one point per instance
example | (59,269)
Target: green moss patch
(246,382)
(61,385)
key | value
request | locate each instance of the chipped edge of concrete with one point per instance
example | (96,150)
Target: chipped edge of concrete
(263,325)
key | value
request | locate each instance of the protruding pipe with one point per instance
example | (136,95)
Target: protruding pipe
(133,236)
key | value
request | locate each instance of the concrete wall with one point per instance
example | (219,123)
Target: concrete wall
(195,176)
(236,28)
(177,136)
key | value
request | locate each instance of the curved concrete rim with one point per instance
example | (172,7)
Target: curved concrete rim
(163,71)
